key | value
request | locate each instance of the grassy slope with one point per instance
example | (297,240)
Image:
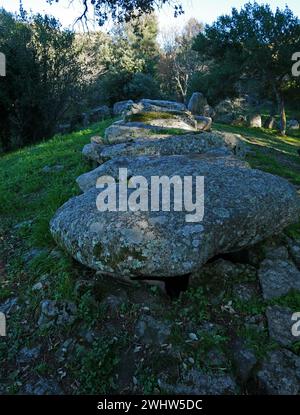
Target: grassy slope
(28,194)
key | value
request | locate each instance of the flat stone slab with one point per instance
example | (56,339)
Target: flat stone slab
(242,207)
(153,105)
(219,156)
(165,145)
(122,131)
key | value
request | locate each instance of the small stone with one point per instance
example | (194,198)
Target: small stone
(57,312)
(255,121)
(294,250)
(33,253)
(43,387)
(278,277)
(278,252)
(293,125)
(151,331)
(280,325)
(244,292)
(27,355)
(280,374)
(8,306)
(244,360)
(96,139)
(193,336)
(24,224)
(37,287)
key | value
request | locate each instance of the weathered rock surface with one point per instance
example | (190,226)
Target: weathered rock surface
(92,152)
(163,244)
(244,360)
(165,145)
(152,105)
(203,123)
(122,106)
(27,355)
(280,373)
(294,250)
(255,121)
(197,103)
(56,313)
(122,131)
(280,325)
(293,125)
(43,387)
(278,277)
(216,156)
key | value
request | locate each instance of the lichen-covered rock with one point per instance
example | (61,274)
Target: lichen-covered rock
(197,104)
(152,105)
(88,180)
(244,360)
(92,152)
(122,106)
(294,250)
(280,325)
(279,374)
(278,277)
(255,121)
(167,145)
(121,131)
(164,244)
(57,313)
(203,123)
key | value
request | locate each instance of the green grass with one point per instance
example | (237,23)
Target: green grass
(30,196)
(27,193)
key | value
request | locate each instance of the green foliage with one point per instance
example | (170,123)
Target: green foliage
(97,367)
(131,61)
(178,62)
(254,43)
(42,78)
(141,86)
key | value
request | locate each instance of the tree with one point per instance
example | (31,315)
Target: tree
(42,78)
(123,10)
(132,60)
(258,44)
(178,60)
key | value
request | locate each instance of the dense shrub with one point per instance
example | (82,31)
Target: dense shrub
(43,78)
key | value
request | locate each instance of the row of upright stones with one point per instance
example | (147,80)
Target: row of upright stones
(244,208)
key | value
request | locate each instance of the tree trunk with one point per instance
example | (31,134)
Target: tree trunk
(282,116)
(281,109)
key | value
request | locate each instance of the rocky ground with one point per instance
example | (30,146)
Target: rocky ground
(71,330)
